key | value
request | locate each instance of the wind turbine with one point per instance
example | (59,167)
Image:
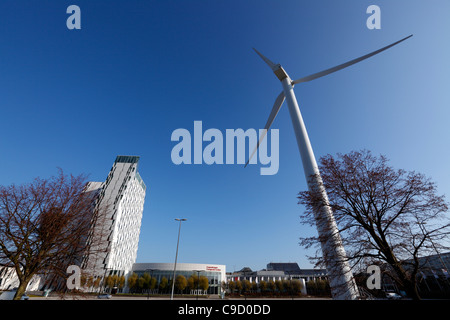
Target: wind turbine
(343,286)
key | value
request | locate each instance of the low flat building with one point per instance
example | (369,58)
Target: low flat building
(278,271)
(216,273)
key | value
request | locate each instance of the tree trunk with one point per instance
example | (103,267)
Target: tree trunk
(411,290)
(407,283)
(23,284)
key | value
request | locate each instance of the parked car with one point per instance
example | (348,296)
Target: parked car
(104,296)
(393,296)
(8,295)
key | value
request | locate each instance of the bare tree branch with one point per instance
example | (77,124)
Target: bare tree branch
(380,213)
(45,226)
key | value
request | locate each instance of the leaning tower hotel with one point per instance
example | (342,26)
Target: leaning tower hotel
(120,203)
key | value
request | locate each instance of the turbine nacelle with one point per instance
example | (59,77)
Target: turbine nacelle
(276,67)
(280,73)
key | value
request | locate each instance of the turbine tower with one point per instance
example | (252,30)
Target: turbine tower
(343,286)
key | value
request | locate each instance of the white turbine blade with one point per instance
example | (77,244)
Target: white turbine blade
(269,63)
(345,65)
(276,107)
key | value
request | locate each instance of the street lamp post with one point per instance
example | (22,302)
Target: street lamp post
(176,256)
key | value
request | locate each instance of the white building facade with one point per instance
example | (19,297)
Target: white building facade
(9,280)
(114,233)
(120,203)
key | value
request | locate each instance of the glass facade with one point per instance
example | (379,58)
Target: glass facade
(214,278)
(214,273)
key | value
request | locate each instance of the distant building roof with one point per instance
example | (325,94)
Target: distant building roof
(293,268)
(269,273)
(283,266)
(280,269)
(127,159)
(313,272)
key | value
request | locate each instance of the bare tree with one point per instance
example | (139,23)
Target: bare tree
(44,226)
(381,213)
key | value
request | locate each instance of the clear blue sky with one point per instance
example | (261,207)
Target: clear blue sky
(138,70)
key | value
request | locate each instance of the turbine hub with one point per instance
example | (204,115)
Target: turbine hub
(280,72)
